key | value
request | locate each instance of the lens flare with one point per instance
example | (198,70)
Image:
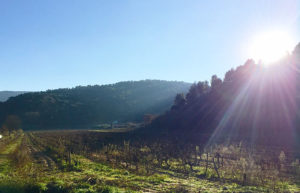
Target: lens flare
(271,46)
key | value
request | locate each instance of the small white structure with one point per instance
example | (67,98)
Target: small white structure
(0,136)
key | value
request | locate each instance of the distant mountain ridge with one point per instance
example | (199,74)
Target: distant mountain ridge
(5,95)
(84,106)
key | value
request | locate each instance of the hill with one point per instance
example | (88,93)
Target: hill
(85,106)
(253,103)
(5,95)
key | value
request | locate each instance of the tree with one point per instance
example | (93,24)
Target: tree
(197,90)
(229,76)
(12,122)
(193,93)
(215,82)
(179,101)
(296,53)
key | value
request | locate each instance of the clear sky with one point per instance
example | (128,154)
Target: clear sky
(64,43)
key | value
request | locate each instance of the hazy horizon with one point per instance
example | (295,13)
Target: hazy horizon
(92,85)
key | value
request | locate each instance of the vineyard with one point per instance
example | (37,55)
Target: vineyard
(89,161)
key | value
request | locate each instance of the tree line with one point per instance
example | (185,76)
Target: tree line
(85,106)
(253,103)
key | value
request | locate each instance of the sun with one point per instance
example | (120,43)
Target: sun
(268,47)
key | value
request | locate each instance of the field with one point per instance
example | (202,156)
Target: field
(96,161)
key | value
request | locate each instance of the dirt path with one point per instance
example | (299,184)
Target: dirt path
(40,158)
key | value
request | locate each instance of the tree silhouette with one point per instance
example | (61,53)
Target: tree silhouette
(11,123)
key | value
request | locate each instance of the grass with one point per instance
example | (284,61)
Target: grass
(97,177)
(95,174)
(90,176)
(5,162)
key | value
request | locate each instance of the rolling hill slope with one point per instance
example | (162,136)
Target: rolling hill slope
(85,106)
(5,95)
(256,104)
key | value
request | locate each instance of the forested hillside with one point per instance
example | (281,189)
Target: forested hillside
(85,106)
(253,103)
(5,95)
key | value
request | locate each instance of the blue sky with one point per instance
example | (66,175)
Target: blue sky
(64,43)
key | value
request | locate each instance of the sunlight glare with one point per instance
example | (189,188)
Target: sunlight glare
(271,46)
